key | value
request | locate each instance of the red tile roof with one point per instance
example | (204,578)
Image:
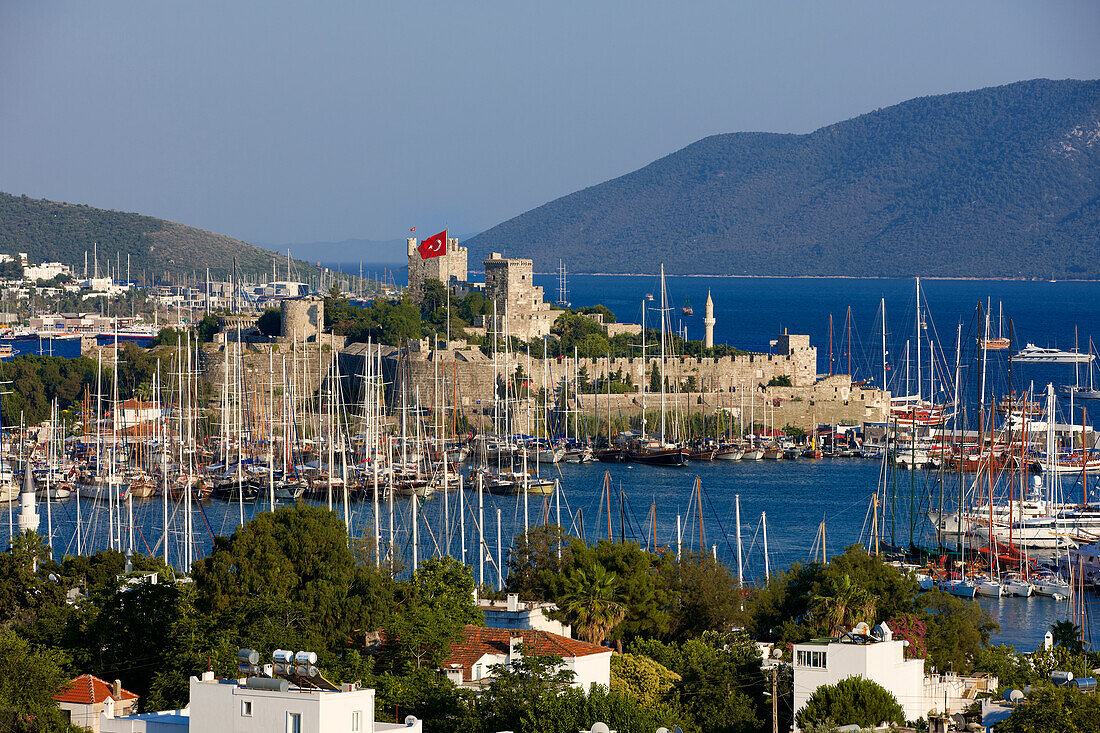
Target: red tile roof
(88,689)
(478,641)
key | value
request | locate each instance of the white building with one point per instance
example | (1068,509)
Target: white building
(518,615)
(264,705)
(470,660)
(858,654)
(877,656)
(45,271)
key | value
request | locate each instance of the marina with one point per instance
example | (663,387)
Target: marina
(167,482)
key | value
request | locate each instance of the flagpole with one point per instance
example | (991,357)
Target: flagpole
(447,286)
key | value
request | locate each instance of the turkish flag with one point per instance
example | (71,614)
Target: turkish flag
(435,246)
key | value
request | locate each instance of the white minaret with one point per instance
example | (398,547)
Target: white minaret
(709,322)
(28,517)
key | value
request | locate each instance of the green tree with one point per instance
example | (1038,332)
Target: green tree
(1067,634)
(169,336)
(206,328)
(434,297)
(843,604)
(29,678)
(851,701)
(270,322)
(642,677)
(126,624)
(654,379)
(446,583)
(957,631)
(523,692)
(26,589)
(1050,709)
(537,559)
(590,605)
(780,381)
(290,574)
(721,684)
(419,636)
(705,596)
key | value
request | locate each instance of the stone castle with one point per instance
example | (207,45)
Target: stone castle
(729,382)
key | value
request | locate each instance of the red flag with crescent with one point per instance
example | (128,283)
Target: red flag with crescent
(435,246)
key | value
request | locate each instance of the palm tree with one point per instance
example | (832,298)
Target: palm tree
(844,604)
(1066,634)
(589,603)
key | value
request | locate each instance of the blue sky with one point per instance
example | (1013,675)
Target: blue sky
(283,122)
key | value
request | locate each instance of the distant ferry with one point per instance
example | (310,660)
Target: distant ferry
(6,351)
(1032,354)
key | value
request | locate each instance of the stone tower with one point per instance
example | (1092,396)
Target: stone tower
(303,318)
(708,321)
(510,285)
(447,269)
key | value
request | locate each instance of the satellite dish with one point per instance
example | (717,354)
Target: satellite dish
(662,729)
(410,721)
(677,729)
(598,727)
(777,653)
(1014,696)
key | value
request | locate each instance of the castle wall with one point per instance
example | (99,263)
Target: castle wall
(471,377)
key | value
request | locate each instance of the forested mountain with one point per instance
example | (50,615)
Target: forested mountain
(999,182)
(51,231)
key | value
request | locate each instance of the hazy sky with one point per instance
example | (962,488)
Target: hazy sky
(281,122)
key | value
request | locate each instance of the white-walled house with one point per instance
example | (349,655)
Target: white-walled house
(470,660)
(264,705)
(879,657)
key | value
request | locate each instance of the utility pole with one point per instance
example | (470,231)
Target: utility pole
(775,699)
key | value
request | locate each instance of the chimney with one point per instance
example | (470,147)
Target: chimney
(513,602)
(116,690)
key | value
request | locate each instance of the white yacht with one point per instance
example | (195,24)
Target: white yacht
(1032,354)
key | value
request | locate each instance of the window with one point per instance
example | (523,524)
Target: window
(246,708)
(356,721)
(293,723)
(811,659)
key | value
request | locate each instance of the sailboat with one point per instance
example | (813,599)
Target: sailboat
(1079,392)
(644,448)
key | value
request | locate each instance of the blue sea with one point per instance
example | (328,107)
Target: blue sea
(796,496)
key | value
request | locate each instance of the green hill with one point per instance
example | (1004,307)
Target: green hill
(51,231)
(999,182)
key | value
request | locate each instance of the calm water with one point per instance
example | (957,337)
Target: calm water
(795,495)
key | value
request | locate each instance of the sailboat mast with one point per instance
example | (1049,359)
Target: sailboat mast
(884,367)
(920,324)
(663,319)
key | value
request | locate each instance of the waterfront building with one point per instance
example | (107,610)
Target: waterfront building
(470,661)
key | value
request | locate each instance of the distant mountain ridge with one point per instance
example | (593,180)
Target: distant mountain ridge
(998,182)
(61,232)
